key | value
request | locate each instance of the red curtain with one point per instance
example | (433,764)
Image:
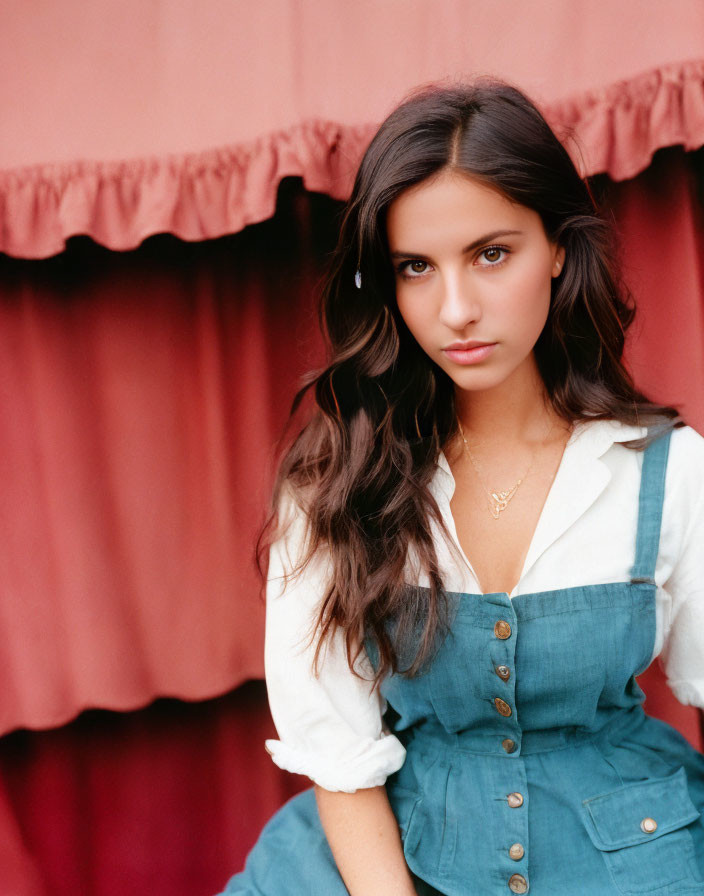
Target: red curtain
(164,800)
(142,394)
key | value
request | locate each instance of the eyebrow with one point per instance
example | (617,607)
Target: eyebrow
(487,238)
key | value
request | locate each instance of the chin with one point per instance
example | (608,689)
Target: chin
(474,379)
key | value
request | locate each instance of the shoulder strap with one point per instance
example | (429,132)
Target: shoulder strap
(650,500)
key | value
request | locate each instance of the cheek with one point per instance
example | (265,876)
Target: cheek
(528,303)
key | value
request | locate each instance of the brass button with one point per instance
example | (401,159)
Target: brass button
(648,825)
(508,745)
(502,706)
(516,852)
(502,629)
(517,884)
(515,800)
(503,672)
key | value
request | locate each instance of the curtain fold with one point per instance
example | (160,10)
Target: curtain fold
(164,801)
(143,391)
(614,129)
(143,394)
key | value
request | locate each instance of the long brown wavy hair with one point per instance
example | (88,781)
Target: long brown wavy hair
(360,467)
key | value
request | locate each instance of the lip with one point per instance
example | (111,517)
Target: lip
(464,346)
(469,352)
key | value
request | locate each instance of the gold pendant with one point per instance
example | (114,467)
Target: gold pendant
(501,500)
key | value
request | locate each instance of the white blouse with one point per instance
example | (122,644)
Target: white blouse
(331,727)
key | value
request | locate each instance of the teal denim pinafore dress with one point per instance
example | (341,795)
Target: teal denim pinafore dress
(531,766)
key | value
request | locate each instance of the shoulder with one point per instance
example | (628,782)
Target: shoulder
(686,452)
(687,447)
(291,533)
(684,483)
(685,467)
(683,509)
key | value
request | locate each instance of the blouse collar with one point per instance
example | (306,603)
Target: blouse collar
(595,437)
(581,477)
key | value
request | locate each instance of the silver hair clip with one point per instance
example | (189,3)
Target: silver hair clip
(358,279)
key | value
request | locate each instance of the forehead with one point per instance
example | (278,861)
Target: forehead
(449,204)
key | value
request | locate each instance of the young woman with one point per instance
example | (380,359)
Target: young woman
(485,532)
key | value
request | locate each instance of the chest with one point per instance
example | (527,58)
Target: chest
(496,545)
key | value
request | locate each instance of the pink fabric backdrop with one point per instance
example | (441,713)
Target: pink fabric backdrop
(161,802)
(141,398)
(142,394)
(168,800)
(131,117)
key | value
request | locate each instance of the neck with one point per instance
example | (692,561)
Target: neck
(516,410)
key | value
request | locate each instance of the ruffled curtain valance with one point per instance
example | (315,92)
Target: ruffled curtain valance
(197,196)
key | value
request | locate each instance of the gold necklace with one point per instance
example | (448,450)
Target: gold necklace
(498,500)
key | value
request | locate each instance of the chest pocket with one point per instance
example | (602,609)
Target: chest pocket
(642,831)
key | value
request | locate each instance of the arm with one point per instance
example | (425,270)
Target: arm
(365,841)
(331,728)
(682,656)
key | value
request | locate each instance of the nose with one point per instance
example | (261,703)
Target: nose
(460,304)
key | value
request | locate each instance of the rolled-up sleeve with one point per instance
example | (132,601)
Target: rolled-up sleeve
(682,657)
(330,726)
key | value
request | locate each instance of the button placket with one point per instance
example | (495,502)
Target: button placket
(512,790)
(503,632)
(502,651)
(503,655)
(509,784)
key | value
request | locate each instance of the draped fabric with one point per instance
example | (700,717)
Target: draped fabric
(202,195)
(142,394)
(660,219)
(142,397)
(151,79)
(164,801)
(191,129)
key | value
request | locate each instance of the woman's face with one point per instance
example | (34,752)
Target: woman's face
(472,268)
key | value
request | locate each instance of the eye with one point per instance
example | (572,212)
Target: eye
(412,269)
(493,254)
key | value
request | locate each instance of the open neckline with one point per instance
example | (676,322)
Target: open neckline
(577,431)
(581,477)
